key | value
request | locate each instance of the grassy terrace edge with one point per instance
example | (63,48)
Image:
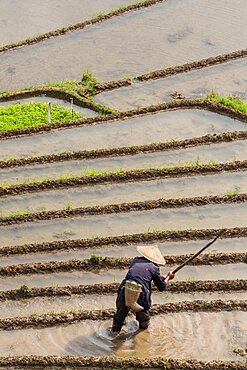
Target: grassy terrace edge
(128,150)
(108,362)
(26,292)
(122,240)
(161,203)
(205,104)
(121,176)
(98,18)
(98,263)
(51,320)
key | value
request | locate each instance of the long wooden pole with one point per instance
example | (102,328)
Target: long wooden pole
(197,254)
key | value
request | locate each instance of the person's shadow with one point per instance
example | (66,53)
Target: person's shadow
(100,341)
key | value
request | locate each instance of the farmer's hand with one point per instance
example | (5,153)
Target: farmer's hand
(169,276)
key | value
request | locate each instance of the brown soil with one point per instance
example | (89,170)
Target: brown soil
(173,105)
(132,175)
(50,320)
(126,207)
(77,362)
(102,87)
(176,287)
(77,26)
(132,150)
(200,234)
(97,263)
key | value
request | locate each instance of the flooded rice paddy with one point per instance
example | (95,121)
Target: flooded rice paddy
(159,127)
(120,44)
(218,153)
(193,186)
(227,79)
(165,34)
(210,216)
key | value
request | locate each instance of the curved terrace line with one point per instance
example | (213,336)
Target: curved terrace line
(51,320)
(173,105)
(80,25)
(124,176)
(108,362)
(111,288)
(126,207)
(199,234)
(97,263)
(171,71)
(127,150)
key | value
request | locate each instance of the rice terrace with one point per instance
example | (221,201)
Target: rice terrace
(123,134)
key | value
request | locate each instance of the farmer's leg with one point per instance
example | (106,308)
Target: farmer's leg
(122,312)
(143,317)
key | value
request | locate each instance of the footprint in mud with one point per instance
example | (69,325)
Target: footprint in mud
(179,35)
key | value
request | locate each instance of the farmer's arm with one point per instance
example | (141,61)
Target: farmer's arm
(158,279)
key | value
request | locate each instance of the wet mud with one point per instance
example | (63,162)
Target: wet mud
(71,16)
(172,41)
(35,18)
(127,192)
(226,79)
(105,276)
(132,175)
(171,71)
(112,224)
(123,240)
(115,363)
(126,207)
(174,248)
(96,262)
(50,320)
(135,113)
(204,154)
(132,150)
(75,302)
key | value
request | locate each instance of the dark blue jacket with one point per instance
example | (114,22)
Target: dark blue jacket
(144,272)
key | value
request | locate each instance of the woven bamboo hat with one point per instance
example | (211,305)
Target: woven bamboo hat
(152,253)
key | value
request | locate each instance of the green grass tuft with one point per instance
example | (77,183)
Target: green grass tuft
(230,101)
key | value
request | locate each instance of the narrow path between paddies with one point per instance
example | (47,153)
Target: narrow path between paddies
(214,272)
(171,40)
(85,112)
(46,16)
(218,184)
(146,129)
(167,248)
(218,153)
(42,305)
(189,334)
(228,79)
(210,216)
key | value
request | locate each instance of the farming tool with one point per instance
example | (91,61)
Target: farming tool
(196,254)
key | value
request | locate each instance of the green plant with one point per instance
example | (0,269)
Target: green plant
(24,289)
(231,101)
(68,205)
(89,81)
(232,192)
(191,279)
(32,114)
(95,260)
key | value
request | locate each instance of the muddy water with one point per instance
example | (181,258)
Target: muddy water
(97,302)
(132,44)
(211,216)
(46,99)
(227,79)
(128,192)
(179,335)
(159,127)
(220,153)
(217,272)
(167,248)
(22,19)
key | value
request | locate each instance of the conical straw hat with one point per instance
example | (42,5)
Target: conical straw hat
(152,253)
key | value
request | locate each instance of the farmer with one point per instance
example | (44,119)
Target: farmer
(135,290)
